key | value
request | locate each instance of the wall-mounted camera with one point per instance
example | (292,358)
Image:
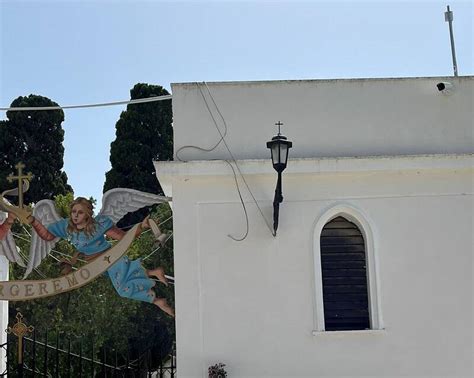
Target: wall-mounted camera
(445,88)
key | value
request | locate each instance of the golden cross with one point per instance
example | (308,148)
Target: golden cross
(20,177)
(20,329)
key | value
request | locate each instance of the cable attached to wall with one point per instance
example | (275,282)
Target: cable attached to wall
(222,139)
(237,165)
(210,149)
(243,206)
(222,136)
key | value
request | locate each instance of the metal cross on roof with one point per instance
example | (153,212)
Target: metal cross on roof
(279,123)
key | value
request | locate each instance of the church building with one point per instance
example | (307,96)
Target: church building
(370,271)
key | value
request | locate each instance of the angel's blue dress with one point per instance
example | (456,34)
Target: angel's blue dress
(128,277)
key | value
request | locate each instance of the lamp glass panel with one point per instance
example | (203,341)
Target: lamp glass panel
(279,153)
(275,153)
(283,153)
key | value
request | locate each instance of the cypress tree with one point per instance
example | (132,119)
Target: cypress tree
(36,139)
(143,134)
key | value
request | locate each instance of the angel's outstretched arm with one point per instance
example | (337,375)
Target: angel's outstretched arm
(6,226)
(8,247)
(41,230)
(117,234)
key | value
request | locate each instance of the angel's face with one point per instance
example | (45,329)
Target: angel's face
(79,216)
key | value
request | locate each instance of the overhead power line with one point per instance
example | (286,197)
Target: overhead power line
(125,102)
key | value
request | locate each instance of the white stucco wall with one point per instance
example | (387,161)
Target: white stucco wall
(253,305)
(326,118)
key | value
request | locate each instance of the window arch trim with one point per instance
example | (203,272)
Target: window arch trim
(355,216)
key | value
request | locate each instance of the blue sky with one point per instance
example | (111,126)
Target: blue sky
(77,52)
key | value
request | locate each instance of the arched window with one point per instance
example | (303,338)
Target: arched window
(345,272)
(344,276)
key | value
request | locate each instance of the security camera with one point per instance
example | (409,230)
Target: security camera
(444,87)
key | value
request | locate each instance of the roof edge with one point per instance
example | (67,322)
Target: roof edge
(326,80)
(340,165)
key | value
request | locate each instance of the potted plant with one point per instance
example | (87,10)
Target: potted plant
(217,371)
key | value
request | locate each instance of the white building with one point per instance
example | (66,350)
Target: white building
(393,157)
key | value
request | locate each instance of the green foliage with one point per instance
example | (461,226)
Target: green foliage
(95,313)
(35,138)
(143,134)
(62,203)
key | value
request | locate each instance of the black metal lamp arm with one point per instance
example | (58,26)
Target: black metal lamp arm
(276,203)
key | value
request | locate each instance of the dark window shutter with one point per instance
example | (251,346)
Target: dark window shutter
(344,273)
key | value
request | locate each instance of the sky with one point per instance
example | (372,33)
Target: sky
(80,52)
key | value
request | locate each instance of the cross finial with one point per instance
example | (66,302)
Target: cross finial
(279,123)
(20,177)
(20,329)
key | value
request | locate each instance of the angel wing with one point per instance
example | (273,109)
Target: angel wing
(45,212)
(120,201)
(8,247)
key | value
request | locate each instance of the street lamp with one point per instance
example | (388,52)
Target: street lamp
(279,147)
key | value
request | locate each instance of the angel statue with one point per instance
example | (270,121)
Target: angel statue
(87,234)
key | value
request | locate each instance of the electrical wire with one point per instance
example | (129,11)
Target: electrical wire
(26,230)
(237,165)
(24,257)
(148,230)
(157,249)
(210,149)
(52,250)
(222,139)
(27,258)
(243,205)
(124,102)
(65,255)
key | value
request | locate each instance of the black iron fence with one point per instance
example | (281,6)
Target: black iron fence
(60,358)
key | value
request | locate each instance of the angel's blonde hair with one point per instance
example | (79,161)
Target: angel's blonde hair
(89,210)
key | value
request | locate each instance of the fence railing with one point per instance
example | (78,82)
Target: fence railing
(50,358)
